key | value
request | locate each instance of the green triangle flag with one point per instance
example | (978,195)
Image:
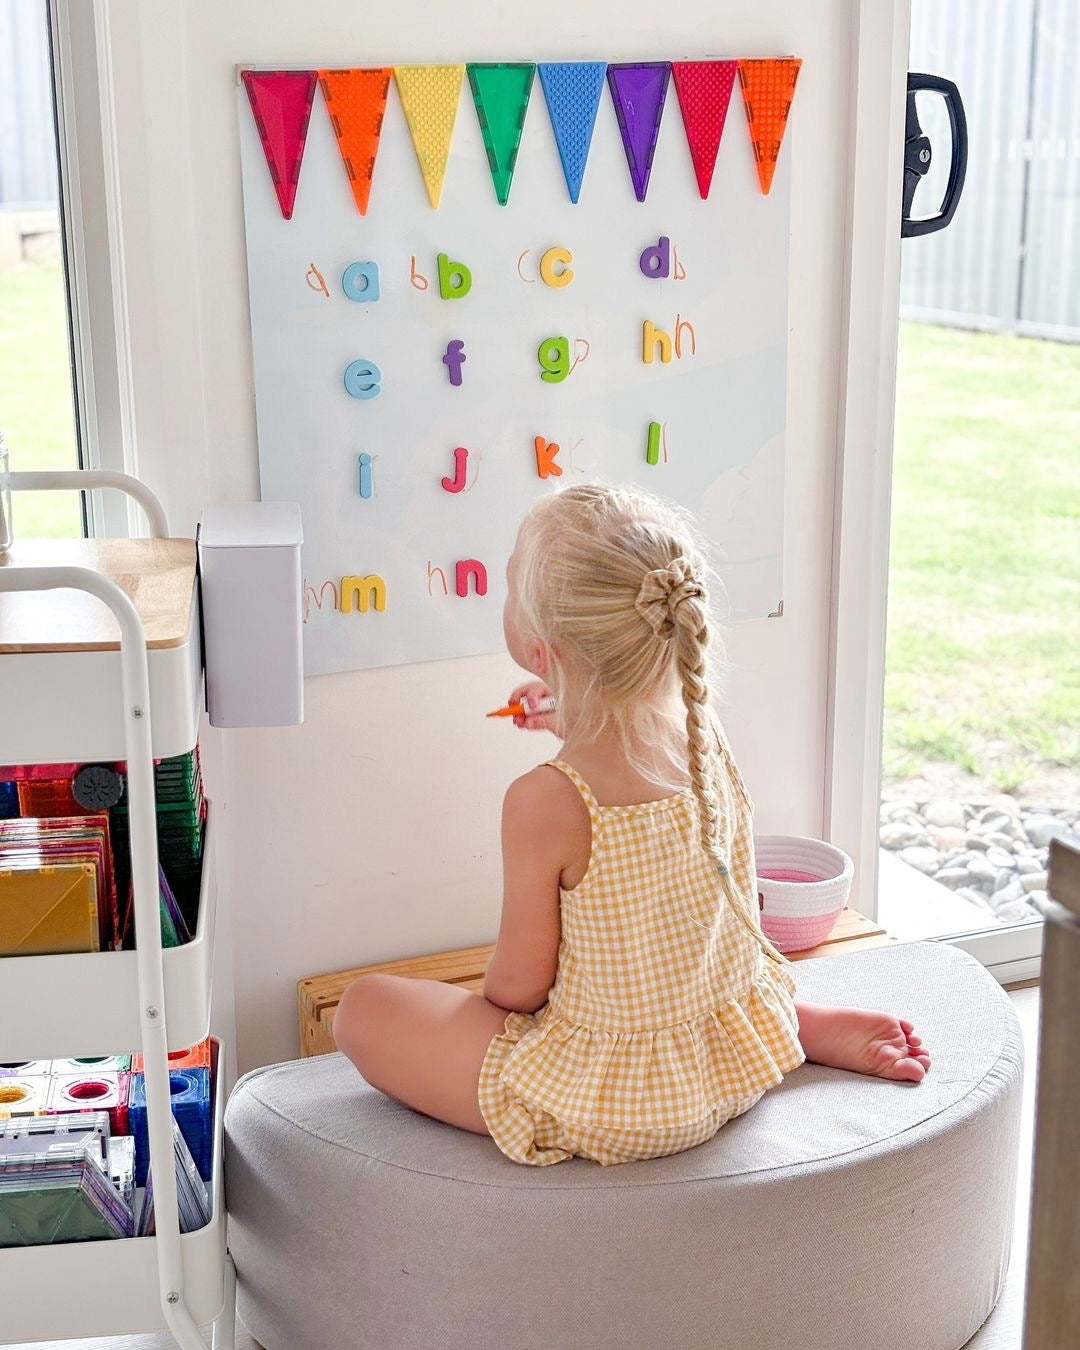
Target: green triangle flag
(501,94)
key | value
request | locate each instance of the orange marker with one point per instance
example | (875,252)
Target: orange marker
(543,705)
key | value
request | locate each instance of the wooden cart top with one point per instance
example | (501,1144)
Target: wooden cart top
(158,576)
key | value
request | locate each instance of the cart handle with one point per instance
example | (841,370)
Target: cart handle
(57,480)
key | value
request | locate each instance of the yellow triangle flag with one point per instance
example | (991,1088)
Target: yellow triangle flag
(430,95)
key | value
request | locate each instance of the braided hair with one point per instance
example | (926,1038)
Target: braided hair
(614,581)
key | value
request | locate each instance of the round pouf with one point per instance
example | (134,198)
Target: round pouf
(840,1211)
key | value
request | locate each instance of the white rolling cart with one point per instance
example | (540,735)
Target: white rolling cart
(71,692)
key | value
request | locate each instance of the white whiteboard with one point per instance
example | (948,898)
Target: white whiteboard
(723,408)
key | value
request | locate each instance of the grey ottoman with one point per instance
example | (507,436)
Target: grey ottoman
(839,1213)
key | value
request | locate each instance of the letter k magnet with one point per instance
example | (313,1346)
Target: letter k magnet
(545,458)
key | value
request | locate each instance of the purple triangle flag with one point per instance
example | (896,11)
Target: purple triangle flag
(638,92)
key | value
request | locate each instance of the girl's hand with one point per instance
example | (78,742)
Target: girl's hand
(530,694)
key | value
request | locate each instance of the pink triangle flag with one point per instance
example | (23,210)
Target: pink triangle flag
(704,90)
(281,102)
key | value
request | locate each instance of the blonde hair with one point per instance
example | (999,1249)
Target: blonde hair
(614,581)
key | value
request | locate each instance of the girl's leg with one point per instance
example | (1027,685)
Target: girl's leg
(863,1041)
(421,1041)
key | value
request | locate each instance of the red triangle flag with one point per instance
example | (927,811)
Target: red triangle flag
(704,89)
(356,101)
(281,102)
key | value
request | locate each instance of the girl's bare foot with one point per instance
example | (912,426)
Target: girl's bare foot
(862,1041)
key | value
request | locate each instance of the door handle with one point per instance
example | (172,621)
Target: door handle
(918,154)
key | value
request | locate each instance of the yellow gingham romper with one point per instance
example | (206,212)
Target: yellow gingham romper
(657,1029)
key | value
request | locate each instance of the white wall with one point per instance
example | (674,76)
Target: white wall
(372,831)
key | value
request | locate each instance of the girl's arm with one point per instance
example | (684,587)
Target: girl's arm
(522,968)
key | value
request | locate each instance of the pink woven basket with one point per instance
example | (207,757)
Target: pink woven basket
(805,884)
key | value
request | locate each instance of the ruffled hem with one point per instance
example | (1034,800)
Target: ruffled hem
(665,1076)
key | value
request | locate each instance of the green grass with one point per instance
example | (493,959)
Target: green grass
(35,395)
(983,647)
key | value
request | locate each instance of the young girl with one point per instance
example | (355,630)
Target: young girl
(632,1004)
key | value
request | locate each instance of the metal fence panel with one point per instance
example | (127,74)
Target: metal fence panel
(1009,258)
(27,144)
(1050,268)
(969,269)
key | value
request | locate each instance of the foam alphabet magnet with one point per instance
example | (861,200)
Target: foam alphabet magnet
(368,592)
(655,261)
(466,568)
(554,357)
(557,257)
(545,458)
(453,359)
(455,279)
(655,340)
(360,281)
(461,468)
(363,379)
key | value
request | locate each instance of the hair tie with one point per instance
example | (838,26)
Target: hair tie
(663,591)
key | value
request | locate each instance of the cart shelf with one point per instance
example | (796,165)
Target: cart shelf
(87,1003)
(60,682)
(111,1287)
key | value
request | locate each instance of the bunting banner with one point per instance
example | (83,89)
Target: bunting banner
(281,103)
(501,93)
(430,96)
(572,91)
(704,90)
(356,102)
(638,92)
(768,88)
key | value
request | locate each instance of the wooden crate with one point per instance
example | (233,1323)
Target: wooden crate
(319,994)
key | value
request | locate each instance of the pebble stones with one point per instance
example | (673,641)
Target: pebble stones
(992,855)
(944,813)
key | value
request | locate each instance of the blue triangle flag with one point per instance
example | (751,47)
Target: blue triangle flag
(572,90)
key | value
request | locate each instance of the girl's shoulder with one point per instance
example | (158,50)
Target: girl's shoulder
(549,823)
(545,791)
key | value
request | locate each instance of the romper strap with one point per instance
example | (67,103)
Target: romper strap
(580,784)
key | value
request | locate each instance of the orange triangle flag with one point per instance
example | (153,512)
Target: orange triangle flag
(767,89)
(356,101)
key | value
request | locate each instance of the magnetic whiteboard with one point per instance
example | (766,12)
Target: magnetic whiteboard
(722,406)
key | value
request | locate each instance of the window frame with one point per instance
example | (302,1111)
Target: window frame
(93,252)
(863,499)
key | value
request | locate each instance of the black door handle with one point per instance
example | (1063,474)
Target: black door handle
(918,153)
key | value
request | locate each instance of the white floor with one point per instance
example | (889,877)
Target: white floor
(912,905)
(1001,1331)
